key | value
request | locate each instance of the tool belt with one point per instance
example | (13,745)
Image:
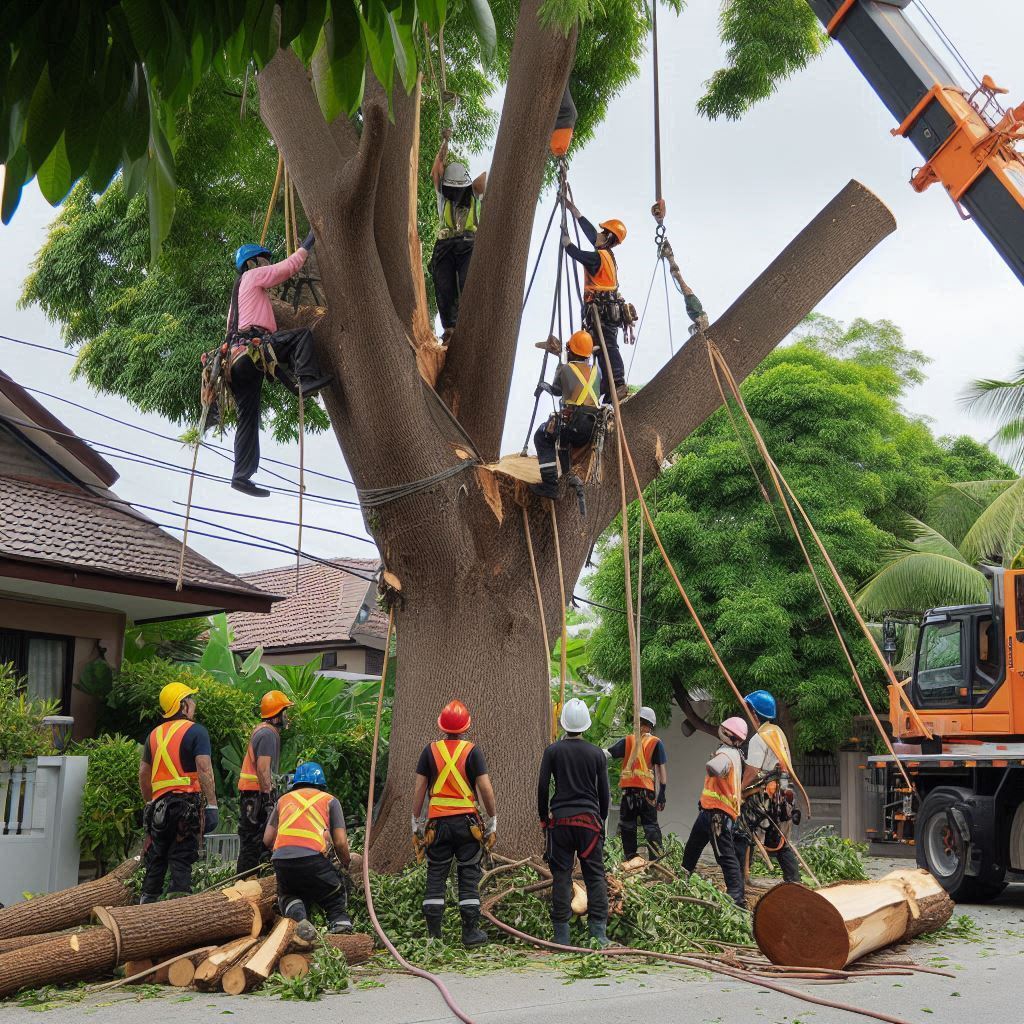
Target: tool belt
(637,800)
(591,822)
(476,830)
(256,807)
(175,815)
(611,308)
(256,344)
(579,416)
(422,840)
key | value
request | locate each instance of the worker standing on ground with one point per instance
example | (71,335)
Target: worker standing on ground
(601,296)
(639,805)
(573,425)
(259,349)
(719,808)
(257,792)
(458,208)
(305,827)
(769,768)
(450,777)
(176,779)
(573,821)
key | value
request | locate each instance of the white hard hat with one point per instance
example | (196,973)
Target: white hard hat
(575,716)
(456,175)
(647,715)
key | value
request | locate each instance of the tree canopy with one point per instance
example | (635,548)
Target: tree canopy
(857,463)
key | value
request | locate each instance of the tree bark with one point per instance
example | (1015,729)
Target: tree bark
(24,941)
(63,959)
(357,948)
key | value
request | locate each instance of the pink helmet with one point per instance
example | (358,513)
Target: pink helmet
(737,726)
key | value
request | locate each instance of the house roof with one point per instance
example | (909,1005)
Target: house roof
(321,611)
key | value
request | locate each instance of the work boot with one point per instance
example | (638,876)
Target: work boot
(311,385)
(472,933)
(294,909)
(545,490)
(341,925)
(562,933)
(248,487)
(148,898)
(306,931)
(622,392)
(598,933)
(433,927)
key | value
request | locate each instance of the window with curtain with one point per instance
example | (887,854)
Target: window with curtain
(42,660)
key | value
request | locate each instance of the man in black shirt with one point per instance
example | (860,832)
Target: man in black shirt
(574,821)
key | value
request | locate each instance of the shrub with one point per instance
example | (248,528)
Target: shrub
(22,733)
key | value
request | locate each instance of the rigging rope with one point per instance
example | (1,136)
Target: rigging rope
(543,620)
(561,591)
(273,199)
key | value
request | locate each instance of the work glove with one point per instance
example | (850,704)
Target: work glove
(661,797)
(566,240)
(309,241)
(211,819)
(490,826)
(418,825)
(789,795)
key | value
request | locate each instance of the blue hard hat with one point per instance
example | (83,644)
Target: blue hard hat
(249,251)
(309,774)
(763,704)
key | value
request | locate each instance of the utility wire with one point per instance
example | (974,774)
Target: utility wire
(35,344)
(281,522)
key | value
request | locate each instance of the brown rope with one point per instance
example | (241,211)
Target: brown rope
(540,608)
(273,199)
(561,590)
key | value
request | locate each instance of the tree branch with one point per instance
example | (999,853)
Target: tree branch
(478,369)
(696,723)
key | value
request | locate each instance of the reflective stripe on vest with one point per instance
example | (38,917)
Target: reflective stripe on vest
(248,778)
(450,222)
(587,393)
(303,820)
(606,279)
(723,793)
(166,772)
(451,793)
(641,775)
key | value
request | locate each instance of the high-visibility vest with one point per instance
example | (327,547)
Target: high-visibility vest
(775,740)
(166,772)
(584,391)
(605,280)
(450,218)
(723,793)
(451,792)
(303,819)
(248,779)
(641,775)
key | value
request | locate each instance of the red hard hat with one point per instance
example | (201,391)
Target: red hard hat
(454,718)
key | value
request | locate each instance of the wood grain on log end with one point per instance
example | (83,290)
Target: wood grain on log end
(787,915)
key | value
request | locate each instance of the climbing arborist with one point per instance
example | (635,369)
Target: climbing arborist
(458,208)
(257,792)
(601,296)
(451,777)
(573,820)
(176,779)
(306,830)
(768,796)
(259,349)
(565,122)
(640,805)
(573,425)
(719,808)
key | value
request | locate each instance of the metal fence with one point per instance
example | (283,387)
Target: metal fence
(17,788)
(820,771)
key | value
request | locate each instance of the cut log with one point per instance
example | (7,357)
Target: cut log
(357,947)
(181,973)
(24,941)
(68,907)
(831,927)
(209,973)
(294,965)
(133,967)
(233,981)
(62,959)
(261,963)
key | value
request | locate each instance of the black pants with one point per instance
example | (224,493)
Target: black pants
(564,436)
(725,854)
(565,844)
(253,810)
(453,841)
(449,267)
(785,856)
(611,340)
(294,349)
(639,809)
(172,843)
(308,880)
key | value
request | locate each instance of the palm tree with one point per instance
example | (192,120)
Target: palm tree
(1003,401)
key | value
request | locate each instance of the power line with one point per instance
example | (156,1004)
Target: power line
(35,344)
(282,522)
(622,611)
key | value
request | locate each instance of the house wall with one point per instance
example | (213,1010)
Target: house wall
(350,659)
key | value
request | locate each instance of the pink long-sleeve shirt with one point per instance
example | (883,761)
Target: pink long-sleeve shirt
(254,308)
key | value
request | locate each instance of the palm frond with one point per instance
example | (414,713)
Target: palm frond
(1002,399)
(928,540)
(954,507)
(921,580)
(999,531)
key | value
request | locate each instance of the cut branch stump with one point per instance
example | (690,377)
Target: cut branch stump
(181,973)
(209,973)
(294,965)
(60,960)
(260,964)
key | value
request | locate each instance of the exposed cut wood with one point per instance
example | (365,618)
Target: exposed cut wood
(64,958)
(520,467)
(833,926)
(294,965)
(133,967)
(233,982)
(180,973)
(260,964)
(209,973)
(24,941)
(579,898)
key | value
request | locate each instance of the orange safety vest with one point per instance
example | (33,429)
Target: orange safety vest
(641,775)
(166,772)
(248,779)
(605,280)
(723,793)
(451,792)
(303,819)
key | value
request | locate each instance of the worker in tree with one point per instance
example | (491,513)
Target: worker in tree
(259,349)
(305,828)
(451,777)
(769,766)
(601,292)
(573,821)
(458,208)
(639,804)
(573,425)
(176,779)
(257,792)
(719,809)
(565,122)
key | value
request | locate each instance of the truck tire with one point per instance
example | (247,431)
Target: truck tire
(941,849)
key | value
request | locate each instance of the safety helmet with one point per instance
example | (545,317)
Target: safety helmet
(456,175)
(247,252)
(309,774)
(616,228)
(273,703)
(575,716)
(454,718)
(647,715)
(735,726)
(582,344)
(171,697)
(763,704)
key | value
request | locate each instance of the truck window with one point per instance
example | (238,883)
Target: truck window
(987,664)
(940,673)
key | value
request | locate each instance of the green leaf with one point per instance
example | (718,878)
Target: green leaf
(106,154)
(147,26)
(998,532)
(340,77)
(405,51)
(483,25)
(46,114)
(265,32)
(252,662)
(920,580)
(135,124)
(306,39)
(16,173)
(135,174)
(377,36)
(54,177)
(161,191)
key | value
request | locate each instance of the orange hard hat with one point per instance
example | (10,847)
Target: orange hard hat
(616,227)
(454,718)
(582,344)
(273,703)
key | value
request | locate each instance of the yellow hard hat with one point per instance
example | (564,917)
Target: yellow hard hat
(582,344)
(171,697)
(615,227)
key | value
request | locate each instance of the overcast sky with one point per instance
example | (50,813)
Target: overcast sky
(736,192)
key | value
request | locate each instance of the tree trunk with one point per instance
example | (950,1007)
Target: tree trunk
(833,926)
(24,941)
(357,948)
(62,959)
(69,906)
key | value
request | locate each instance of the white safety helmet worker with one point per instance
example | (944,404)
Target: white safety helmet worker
(647,715)
(575,716)
(456,175)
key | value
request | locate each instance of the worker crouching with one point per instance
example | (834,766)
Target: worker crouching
(640,806)
(719,809)
(305,828)
(453,772)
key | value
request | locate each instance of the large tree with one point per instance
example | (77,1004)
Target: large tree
(467,621)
